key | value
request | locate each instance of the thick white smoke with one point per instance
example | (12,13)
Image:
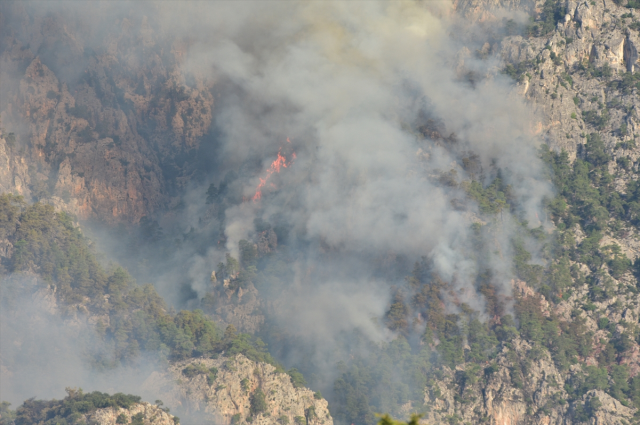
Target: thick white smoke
(349,83)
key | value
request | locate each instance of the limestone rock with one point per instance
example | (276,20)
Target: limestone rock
(100,129)
(225,395)
(150,415)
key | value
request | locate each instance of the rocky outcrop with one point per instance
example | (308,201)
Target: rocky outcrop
(230,304)
(504,395)
(142,413)
(14,170)
(522,386)
(107,131)
(225,390)
(567,76)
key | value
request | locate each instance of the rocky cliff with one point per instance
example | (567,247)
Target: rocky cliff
(140,413)
(109,133)
(531,392)
(238,390)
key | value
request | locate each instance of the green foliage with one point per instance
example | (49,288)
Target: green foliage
(627,83)
(519,71)
(566,341)
(530,273)
(587,196)
(296,378)
(195,369)
(482,342)
(7,416)
(552,12)
(258,402)
(192,370)
(75,404)
(492,199)
(605,72)
(583,412)
(598,120)
(49,242)
(283,420)
(137,419)
(388,420)
(391,375)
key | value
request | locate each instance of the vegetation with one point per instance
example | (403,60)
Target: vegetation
(386,419)
(71,408)
(7,416)
(258,402)
(518,71)
(296,378)
(552,13)
(50,243)
(199,369)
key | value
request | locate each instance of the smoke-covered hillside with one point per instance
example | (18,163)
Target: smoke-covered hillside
(407,206)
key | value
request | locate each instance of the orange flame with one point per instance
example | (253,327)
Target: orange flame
(279,163)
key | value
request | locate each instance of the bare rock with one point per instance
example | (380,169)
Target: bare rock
(226,394)
(149,414)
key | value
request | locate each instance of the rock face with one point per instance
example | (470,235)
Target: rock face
(225,390)
(229,304)
(567,75)
(144,413)
(101,129)
(532,393)
(14,170)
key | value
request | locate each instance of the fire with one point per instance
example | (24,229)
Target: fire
(279,163)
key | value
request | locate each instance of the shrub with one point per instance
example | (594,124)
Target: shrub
(194,369)
(72,407)
(258,402)
(11,140)
(137,419)
(296,378)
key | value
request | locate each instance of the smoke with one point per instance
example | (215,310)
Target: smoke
(350,83)
(41,352)
(391,116)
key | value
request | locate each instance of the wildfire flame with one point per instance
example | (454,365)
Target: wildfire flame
(279,163)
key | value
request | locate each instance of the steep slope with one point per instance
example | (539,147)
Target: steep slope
(112,132)
(56,297)
(238,390)
(116,143)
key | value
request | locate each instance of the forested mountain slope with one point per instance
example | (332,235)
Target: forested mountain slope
(50,274)
(544,330)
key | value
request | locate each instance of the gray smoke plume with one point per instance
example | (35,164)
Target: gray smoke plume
(349,83)
(41,352)
(389,115)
